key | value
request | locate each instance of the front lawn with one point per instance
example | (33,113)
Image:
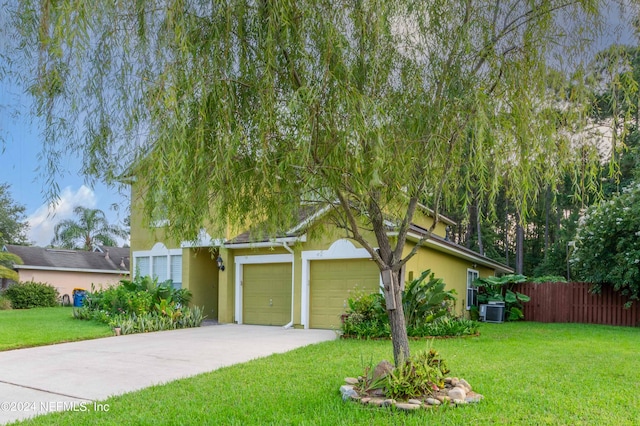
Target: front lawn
(22,328)
(530,373)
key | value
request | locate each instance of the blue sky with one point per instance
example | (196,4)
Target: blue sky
(19,167)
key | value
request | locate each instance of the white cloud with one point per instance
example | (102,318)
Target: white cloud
(45,218)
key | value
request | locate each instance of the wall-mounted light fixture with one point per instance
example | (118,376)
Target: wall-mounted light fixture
(220,263)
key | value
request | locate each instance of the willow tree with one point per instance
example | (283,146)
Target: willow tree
(238,111)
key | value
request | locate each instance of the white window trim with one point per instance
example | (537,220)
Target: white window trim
(240,261)
(158,249)
(340,249)
(470,284)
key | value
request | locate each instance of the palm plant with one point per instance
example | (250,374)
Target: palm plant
(91,228)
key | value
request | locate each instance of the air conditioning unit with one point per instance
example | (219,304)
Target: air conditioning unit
(492,312)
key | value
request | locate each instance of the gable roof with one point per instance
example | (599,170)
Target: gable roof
(111,260)
(309,215)
(442,244)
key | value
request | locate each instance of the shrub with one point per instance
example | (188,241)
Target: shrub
(423,302)
(141,305)
(607,249)
(366,316)
(427,309)
(32,295)
(446,326)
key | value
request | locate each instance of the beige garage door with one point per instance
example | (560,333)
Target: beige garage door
(331,281)
(266,294)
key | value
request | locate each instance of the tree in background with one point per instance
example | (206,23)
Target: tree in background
(13,227)
(7,261)
(249,109)
(608,244)
(90,229)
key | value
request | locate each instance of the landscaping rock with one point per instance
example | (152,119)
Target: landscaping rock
(449,394)
(443,398)
(406,406)
(348,392)
(351,380)
(432,401)
(382,370)
(377,392)
(376,402)
(457,393)
(465,384)
(473,397)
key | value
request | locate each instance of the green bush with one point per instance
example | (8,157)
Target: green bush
(423,302)
(446,326)
(366,316)
(427,310)
(32,295)
(607,248)
(141,305)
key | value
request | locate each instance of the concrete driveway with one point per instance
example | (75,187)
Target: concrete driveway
(67,376)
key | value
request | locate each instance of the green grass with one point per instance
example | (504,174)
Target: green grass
(531,374)
(22,328)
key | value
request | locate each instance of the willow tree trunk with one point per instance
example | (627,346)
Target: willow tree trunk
(392,288)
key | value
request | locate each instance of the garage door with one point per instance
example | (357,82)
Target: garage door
(330,283)
(266,294)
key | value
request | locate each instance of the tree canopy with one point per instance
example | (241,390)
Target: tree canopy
(248,108)
(607,248)
(92,228)
(13,226)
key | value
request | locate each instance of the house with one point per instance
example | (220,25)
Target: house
(300,278)
(69,269)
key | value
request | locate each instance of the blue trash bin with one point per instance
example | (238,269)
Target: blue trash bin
(78,297)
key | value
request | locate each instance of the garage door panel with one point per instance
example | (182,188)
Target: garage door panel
(266,294)
(330,284)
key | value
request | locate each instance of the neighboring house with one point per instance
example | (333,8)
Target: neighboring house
(295,279)
(69,269)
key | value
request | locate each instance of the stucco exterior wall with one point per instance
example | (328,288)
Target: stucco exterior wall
(453,270)
(66,281)
(200,276)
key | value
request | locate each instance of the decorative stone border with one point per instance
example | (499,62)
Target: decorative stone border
(455,392)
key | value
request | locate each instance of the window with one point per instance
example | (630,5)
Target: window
(176,271)
(160,270)
(472,291)
(142,266)
(160,263)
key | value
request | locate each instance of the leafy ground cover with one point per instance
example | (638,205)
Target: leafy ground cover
(530,373)
(21,328)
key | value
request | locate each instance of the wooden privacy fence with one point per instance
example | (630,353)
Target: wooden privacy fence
(572,302)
